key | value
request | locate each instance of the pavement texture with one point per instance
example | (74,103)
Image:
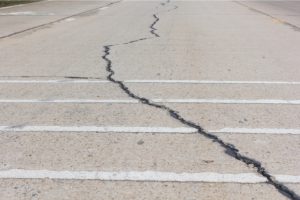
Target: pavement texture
(150,100)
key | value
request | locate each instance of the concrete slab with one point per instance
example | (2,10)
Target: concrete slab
(127,152)
(212,47)
(84,115)
(286,11)
(83,57)
(210,116)
(15,19)
(199,40)
(276,152)
(51,189)
(92,90)
(213,116)
(139,152)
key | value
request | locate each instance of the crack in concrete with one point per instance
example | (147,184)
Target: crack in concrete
(230,149)
(153,29)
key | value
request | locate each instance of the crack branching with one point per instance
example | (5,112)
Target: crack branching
(153,29)
(230,149)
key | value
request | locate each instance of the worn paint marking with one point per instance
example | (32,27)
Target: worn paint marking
(143,176)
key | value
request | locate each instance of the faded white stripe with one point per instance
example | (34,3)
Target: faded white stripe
(126,129)
(26,13)
(229,101)
(18,13)
(288,178)
(133,176)
(153,81)
(103,8)
(70,19)
(67,101)
(213,82)
(195,101)
(97,129)
(258,130)
(143,176)
(55,81)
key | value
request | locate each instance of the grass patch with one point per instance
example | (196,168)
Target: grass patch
(4,3)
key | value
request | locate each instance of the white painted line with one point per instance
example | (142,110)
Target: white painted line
(288,178)
(259,131)
(132,101)
(67,101)
(18,13)
(26,13)
(69,19)
(229,101)
(103,8)
(126,129)
(212,82)
(149,176)
(54,81)
(132,176)
(152,81)
(97,129)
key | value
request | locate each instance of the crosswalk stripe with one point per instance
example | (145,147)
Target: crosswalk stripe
(150,81)
(180,101)
(126,129)
(143,176)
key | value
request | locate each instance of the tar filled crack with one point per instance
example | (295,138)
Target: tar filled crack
(230,149)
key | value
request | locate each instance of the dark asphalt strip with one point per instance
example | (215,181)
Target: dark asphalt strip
(58,20)
(230,149)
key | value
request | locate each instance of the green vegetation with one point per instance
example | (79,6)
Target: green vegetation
(4,3)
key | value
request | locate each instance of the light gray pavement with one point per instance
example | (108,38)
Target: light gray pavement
(92,90)
(210,50)
(19,18)
(27,189)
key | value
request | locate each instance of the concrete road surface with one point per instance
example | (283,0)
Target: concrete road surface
(150,100)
